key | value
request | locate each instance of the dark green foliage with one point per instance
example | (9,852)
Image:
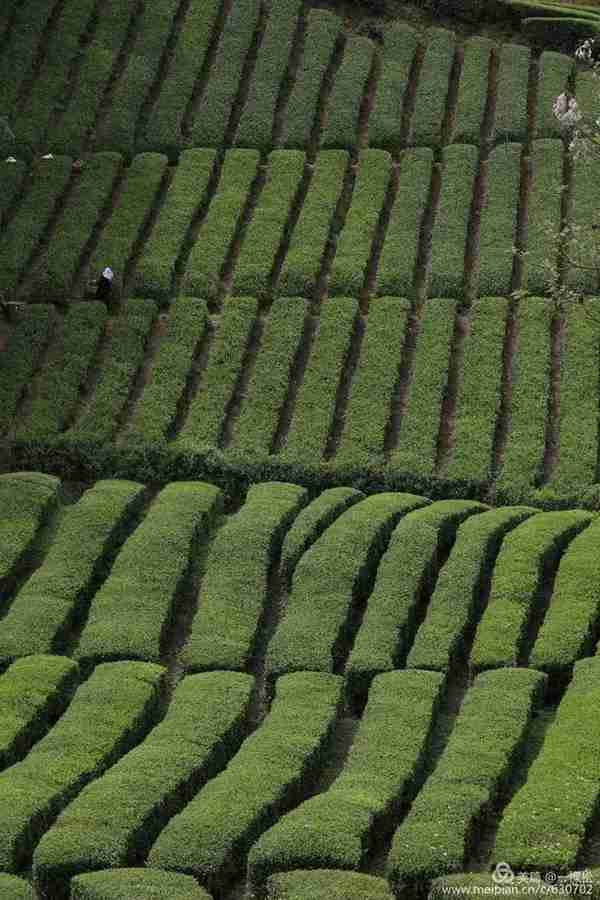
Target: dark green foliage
(545,823)
(456,603)
(53,598)
(544,214)
(218,827)
(157,407)
(401,243)
(327,580)
(368,411)
(354,243)
(206,413)
(309,238)
(204,726)
(326,884)
(256,124)
(322,31)
(335,828)
(165,119)
(60,379)
(20,358)
(26,500)
(472,91)
(33,691)
(511,93)
(391,617)
(344,103)
(265,230)
(400,44)
(210,250)
(432,89)
(498,228)
(130,613)
(516,583)
(315,401)
(268,387)
(235,586)
(108,714)
(136,884)
(437,834)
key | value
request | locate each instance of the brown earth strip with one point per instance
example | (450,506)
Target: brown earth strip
(337,223)
(40,53)
(142,376)
(246,77)
(146,229)
(314,141)
(289,78)
(295,210)
(445,441)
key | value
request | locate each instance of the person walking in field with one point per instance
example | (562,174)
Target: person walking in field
(105,284)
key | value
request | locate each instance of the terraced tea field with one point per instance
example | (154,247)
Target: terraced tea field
(291,683)
(299,571)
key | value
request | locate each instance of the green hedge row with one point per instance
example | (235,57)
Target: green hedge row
(126,808)
(217,828)
(444,821)
(498,226)
(345,100)
(117,130)
(209,252)
(417,445)
(209,127)
(156,267)
(266,228)
(401,243)
(59,382)
(367,415)
(354,243)
(322,33)
(512,92)
(432,88)
(452,220)
(157,407)
(569,627)
(136,884)
(544,213)
(524,451)
(472,91)
(19,360)
(109,713)
(16,60)
(69,131)
(165,119)
(337,828)
(554,72)
(311,522)
(55,598)
(33,692)
(457,599)
(26,501)
(578,423)
(11,183)
(520,573)
(544,825)
(14,888)
(309,238)
(235,589)
(326,884)
(208,408)
(133,206)
(315,402)
(122,357)
(21,235)
(479,392)
(257,121)
(394,606)
(330,579)
(130,614)
(63,45)
(268,387)
(582,272)
(399,47)
(55,272)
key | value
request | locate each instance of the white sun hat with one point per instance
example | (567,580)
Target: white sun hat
(108,273)
(10,159)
